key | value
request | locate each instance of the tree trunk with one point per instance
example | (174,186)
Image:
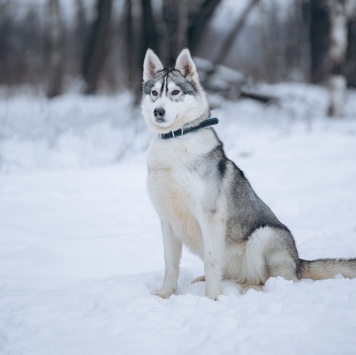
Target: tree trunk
(329,44)
(55,41)
(95,53)
(175,17)
(198,21)
(77,43)
(170,17)
(230,39)
(150,36)
(149,39)
(130,50)
(319,40)
(81,25)
(350,66)
(337,52)
(182,26)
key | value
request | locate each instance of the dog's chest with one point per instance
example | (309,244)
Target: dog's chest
(169,189)
(173,187)
(171,181)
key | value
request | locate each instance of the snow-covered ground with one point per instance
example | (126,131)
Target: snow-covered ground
(80,244)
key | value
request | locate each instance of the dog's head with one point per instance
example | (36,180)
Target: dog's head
(172,98)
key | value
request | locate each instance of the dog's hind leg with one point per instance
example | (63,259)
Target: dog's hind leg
(285,267)
(271,253)
(280,262)
(251,287)
(172,254)
(198,279)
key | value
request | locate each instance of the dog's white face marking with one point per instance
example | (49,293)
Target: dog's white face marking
(177,106)
(172,98)
(177,113)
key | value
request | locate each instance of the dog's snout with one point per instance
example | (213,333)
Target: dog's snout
(159,114)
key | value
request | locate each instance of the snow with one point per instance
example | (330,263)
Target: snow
(67,132)
(80,245)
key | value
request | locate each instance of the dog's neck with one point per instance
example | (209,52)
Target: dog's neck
(180,132)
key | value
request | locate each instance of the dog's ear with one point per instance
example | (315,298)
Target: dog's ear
(151,65)
(186,66)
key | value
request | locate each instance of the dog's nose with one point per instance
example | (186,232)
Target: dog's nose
(159,114)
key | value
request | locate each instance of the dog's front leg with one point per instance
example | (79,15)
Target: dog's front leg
(172,254)
(213,230)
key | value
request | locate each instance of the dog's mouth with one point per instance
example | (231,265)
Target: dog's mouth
(165,123)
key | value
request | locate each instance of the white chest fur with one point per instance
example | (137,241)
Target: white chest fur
(175,187)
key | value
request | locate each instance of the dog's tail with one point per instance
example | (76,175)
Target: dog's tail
(327,268)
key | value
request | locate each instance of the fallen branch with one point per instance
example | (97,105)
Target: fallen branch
(266,99)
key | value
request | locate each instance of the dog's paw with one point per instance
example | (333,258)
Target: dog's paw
(251,287)
(164,293)
(213,295)
(198,279)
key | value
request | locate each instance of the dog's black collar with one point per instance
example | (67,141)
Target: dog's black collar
(180,132)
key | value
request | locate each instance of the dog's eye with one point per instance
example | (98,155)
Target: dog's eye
(154,93)
(175,92)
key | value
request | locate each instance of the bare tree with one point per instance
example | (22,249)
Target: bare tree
(341,11)
(150,36)
(96,46)
(228,41)
(351,54)
(319,33)
(80,28)
(329,41)
(129,36)
(199,17)
(55,42)
(183,24)
(171,12)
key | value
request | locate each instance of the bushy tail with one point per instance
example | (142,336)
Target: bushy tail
(327,268)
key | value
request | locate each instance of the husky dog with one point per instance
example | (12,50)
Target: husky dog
(204,200)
